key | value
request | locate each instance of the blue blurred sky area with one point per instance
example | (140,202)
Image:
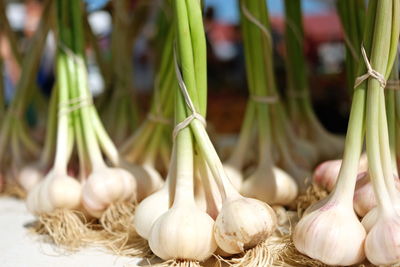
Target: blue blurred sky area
(227,10)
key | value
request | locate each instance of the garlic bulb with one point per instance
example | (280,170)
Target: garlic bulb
(382,245)
(55,191)
(272,186)
(235,175)
(364,196)
(148,179)
(183,232)
(365,200)
(29,176)
(332,227)
(105,186)
(149,210)
(326,173)
(243,223)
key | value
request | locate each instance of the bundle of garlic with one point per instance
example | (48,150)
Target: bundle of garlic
(14,134)
(266,118)
(103,192)
(267,182)
(178,228)
(331,224)
(299,102)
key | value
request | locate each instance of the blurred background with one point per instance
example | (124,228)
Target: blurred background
(324,48)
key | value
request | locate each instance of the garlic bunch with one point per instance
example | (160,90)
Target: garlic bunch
(56,191)
(105,186)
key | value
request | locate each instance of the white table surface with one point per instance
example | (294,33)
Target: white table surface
(20,248)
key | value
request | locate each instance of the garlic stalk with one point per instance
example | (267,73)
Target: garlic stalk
(263,184)
(352,18)
(301,113)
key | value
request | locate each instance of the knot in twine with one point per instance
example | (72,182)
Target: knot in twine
(370,73)
(195,115)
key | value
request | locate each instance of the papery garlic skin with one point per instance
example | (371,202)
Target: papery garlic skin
(106,186)
(54,192)
(149,210)
(243,223)
(234,175)
(331,234)
(183,232)
(29,176)
(382,245)
(280,188)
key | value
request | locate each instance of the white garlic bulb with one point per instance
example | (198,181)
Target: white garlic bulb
(243,223)
(105,186)
(29,176)
(382,245)
(55,191)
(183,232)
(149,210)
(333,227)
(271,186)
